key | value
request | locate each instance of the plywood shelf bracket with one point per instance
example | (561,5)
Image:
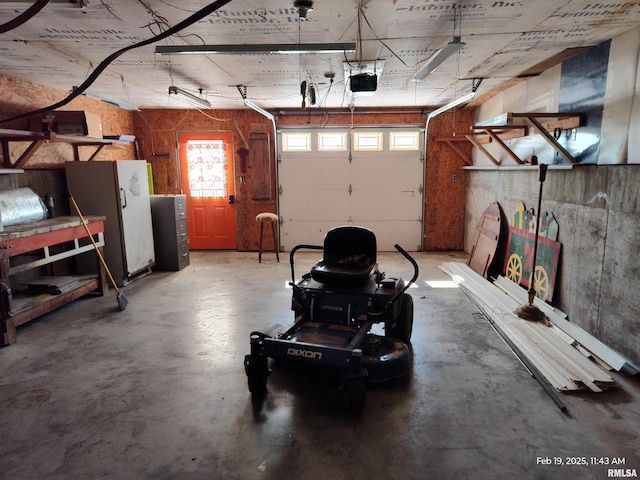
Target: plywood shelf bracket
(37,139)
(24,157)
(483,134)
(480,147)
(494,135)
(550,139)
(76,153)
(451,141)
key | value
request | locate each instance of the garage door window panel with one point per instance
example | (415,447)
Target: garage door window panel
(404,141)
(368,141)
(296,142)
(332,142)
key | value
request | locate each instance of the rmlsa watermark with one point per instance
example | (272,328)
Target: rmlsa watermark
(622,473)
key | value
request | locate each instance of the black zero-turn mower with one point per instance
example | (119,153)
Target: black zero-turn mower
(336,304)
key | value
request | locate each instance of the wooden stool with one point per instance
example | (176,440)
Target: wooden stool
(273,219)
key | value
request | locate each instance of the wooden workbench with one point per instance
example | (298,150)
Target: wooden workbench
(31,245)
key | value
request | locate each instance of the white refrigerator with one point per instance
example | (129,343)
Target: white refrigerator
(118,190)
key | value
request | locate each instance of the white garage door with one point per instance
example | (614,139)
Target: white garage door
(370,177)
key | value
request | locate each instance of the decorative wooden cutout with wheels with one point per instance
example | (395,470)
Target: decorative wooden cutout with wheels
(513,269)
(519,258)
(541,282)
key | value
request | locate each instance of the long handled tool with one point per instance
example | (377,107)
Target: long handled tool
(530,311)
(122,301)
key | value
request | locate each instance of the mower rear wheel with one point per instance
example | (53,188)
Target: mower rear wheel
(257,371)
(355,393)
(402,327)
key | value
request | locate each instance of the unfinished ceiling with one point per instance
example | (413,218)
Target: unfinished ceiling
(64,43)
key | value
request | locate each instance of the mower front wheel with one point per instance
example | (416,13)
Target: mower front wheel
(257,371)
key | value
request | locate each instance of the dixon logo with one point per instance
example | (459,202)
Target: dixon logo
(297,352)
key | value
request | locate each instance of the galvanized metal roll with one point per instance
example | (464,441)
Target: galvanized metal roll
(20,206)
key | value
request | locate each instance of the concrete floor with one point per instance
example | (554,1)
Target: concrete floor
(158,391)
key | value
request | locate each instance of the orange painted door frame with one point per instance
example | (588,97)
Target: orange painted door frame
(206,166)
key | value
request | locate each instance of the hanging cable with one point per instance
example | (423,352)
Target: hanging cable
(25,16)
(384,44)
(299,54)
(359,55)
(124,87)
(105,63)
(303,83)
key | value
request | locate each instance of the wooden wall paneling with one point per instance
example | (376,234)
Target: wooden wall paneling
(21,96)
(44,172)
(269,202)
(444,215)
(445,182)
(259,155)
(315,117)
(156,131)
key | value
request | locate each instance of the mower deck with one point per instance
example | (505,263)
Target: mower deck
(329,345)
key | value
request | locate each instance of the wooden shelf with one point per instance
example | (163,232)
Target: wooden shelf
(47,241)
(484,134)
(37,139)
(27,307)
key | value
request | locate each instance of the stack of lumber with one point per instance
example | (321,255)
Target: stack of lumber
(565,363)
(52,285)
(579,338)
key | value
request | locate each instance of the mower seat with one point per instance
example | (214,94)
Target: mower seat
(349,257)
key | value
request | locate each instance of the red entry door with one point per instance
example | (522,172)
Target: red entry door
(206,164)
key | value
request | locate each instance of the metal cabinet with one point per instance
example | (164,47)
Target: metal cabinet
(169,217)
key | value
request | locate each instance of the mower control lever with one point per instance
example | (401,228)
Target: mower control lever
(293,251)
(416,270)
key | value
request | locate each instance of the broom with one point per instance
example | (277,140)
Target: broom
(122,301)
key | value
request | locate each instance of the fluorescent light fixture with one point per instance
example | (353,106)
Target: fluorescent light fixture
(439,58)
(189,97)
(112,100)
(270,48)
(462,100)
(258,109)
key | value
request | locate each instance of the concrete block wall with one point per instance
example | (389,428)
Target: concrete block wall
(598,212)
